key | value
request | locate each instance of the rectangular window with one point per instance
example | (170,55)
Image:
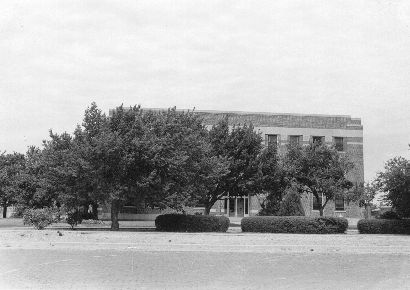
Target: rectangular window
(338,141)
(318,140)
(246,205)
(271,139)
(225,205)
(339,203)
(317,203)
(295,140)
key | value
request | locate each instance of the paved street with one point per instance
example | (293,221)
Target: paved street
(116,269)
(132,260)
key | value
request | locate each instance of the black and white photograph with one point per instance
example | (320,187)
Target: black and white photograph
(204,144)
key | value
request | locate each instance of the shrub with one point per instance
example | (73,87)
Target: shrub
(389,215)
(291,204)
(270,206)
(294,224)
(74,218)
(384,226)
(191,223)
(39,218)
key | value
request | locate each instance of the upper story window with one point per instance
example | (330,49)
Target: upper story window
(295,139)
(271,139)
(318,140)
(338,141)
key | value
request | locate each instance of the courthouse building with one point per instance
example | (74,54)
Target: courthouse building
(345,132)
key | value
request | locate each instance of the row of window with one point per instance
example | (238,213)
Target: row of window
(273,139)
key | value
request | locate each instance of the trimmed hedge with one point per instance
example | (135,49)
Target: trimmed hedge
(191,223)
(389,215)
(384,226)
(294,224)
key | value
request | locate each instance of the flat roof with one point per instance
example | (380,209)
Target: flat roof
(256,113)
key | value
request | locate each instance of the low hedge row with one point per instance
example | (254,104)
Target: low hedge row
(294,224)
(384,226)
(191,223)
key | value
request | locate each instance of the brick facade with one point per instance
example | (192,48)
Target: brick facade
(306,126)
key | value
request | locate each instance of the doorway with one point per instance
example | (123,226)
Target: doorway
(240,207)
(237,206)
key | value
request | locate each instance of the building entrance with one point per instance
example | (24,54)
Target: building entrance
(238,206)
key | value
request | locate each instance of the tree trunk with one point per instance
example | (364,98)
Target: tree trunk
(321,211)
(207,209)
(367,211)
(4,211)
(115,209)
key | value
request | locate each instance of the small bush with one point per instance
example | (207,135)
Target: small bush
(191,223)
(384,226)
(74,218)
(294,224)
(291,204)
(389,215)
(39,218)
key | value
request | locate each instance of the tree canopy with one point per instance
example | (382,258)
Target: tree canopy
(232,162)
(11,165)
(149,156)
(320,170)
(394,181)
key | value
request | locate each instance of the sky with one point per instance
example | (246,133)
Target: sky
(348,57)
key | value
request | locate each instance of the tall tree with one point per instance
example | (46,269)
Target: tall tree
(177,158)
(108,142)
(394,181)
(235,151)
(32,184)
(272,180)
(67,171)
(319,170)
(11,166)
(145,156)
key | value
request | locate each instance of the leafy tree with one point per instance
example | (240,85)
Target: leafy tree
(364,193)
(143,156)
(272,180)
(179,158)
(67,172)
(212,170)
(31,182)
(109,152)
(11,166)
(395,183)
(234,163)
(320,170)
(55,175)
